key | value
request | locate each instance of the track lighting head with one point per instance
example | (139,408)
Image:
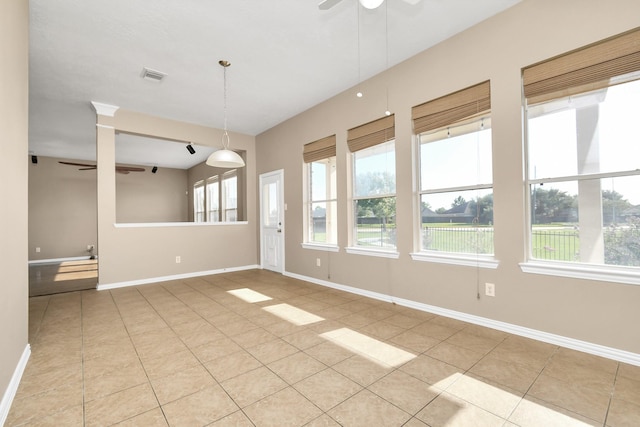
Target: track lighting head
(190,149)
(154,169)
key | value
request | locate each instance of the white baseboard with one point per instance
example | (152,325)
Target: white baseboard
(52,260)
(104,287)
(584,346)
(12,389)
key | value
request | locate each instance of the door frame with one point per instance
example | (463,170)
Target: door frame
(282,207)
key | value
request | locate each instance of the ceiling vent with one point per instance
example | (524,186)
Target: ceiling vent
(153,75)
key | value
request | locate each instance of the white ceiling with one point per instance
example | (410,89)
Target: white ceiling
(286,56)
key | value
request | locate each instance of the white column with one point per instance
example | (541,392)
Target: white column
(589,192)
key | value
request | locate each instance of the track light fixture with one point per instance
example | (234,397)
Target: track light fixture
(190,149)
(154,169)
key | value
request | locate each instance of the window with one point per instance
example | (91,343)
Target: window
(213,199)
(198,202)
(219,197)
(455,187)
(583,156)
(230,196)
(374,184)
(321,204)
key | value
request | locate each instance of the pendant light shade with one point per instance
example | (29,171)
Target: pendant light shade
(371,4)
(225,158)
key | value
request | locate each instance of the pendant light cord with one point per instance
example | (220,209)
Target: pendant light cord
(225,135)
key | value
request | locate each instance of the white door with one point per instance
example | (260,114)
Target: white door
(272,221)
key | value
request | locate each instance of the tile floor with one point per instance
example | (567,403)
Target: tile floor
(256,348)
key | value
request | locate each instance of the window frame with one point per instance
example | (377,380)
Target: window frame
(440,135)
(223,195)
(197,187)
(602,64)
(571,269)
(354,248)
(309,201)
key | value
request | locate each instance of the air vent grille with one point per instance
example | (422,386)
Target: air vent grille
(153,75)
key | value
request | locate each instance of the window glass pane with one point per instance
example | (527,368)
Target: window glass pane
(271,205)
(319,181)
(592,221)
(322,204)
(230,202)
(213,200)
(457,160)
(458,221)
(375,170)
(198,202)
(597,130)
(376,222)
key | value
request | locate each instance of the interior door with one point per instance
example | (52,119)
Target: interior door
(272,221)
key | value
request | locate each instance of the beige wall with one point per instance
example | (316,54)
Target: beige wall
(152,197)
(63,204)
(144,252)
(62,209)
(14,97)
(598,312)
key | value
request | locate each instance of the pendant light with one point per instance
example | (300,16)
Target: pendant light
(371,4)
(225,158)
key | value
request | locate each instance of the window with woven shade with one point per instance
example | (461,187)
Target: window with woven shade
(455,181)
(374,184)
(583,156)
(321,204)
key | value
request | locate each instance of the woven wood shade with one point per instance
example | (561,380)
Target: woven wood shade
(320,149)
(588,68)
(372,133)
(452,108)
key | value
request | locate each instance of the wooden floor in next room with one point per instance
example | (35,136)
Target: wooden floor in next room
(64,276)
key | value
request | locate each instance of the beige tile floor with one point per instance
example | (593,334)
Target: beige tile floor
(256,348)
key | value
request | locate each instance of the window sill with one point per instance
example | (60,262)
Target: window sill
(482,261)
(372,252)
(321,247)
(175,224)
(605,273)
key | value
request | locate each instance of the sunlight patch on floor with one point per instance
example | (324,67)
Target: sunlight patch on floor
(292,314)
(249,295)
(368,347)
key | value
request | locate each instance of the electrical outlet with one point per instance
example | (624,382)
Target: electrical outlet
(318,262)
(37,249)
(490,289)
(178,259)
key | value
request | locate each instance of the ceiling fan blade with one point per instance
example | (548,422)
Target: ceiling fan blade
(129,169)
(327,4)
(88,169)
(77,164)
(124,172)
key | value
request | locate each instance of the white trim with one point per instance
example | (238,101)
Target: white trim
(54,260)
(99,125)
(321,247)
(481,261)
(605,273)
(104,109)
(372,252)
(175,224)
(12,388)
(584,346)
(117,285)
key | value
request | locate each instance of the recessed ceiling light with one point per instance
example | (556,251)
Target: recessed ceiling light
(153,75)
